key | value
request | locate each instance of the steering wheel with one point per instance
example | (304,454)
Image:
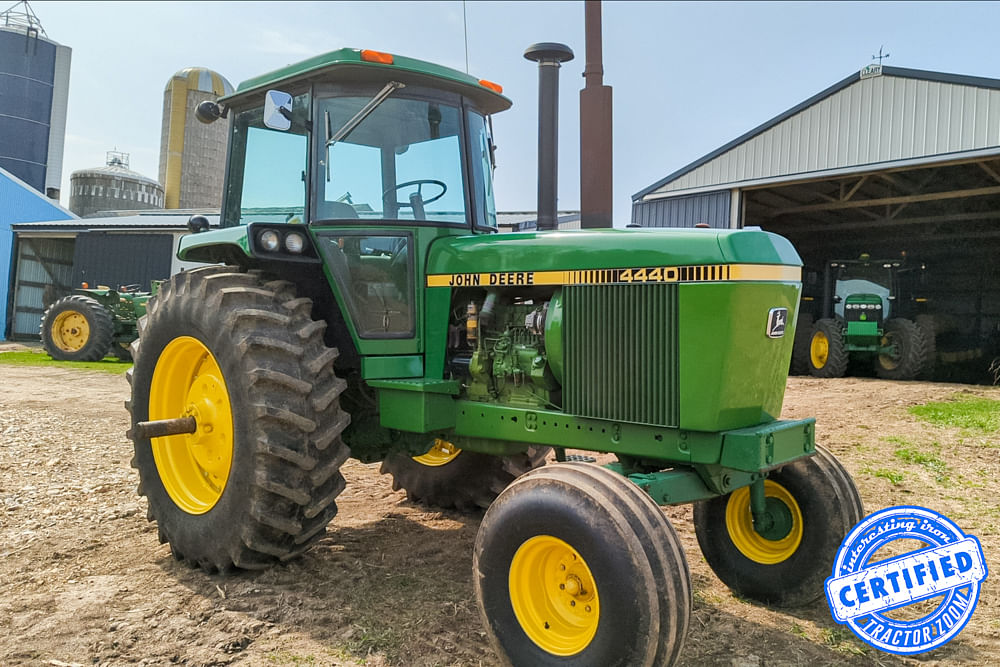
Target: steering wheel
(420,182)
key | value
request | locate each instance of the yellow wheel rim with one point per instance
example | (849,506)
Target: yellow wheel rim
(188,382)
(739,523)
(554,595)
(441,453)
(70,331)
(819,349)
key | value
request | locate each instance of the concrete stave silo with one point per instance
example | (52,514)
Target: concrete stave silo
(192,154)
(113,187)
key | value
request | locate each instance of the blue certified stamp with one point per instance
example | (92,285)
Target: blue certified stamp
(949,570)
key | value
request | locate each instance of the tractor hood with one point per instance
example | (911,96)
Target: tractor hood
(472,259)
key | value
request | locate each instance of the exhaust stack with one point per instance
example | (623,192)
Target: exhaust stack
(548,55)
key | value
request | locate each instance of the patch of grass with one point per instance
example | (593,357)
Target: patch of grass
(29,358)
(893,476)
(974,413)
(841,639)
(929,461)
(799,631)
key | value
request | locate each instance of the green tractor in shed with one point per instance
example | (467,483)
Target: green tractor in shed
(869,312)
(359,302)
(92,323)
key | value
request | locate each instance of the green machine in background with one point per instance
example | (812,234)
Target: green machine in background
(92,323)
(869,310)
(360,302)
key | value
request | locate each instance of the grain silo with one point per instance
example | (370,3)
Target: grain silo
(113,187)
(34,90)
(192,154)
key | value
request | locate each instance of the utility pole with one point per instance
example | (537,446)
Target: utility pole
(595,129)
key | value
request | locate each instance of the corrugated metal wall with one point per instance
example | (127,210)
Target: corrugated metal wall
(712,208)
(102,258)
(44,273)
(874,120)
(19,202)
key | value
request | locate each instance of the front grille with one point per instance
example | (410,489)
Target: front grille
(621,353)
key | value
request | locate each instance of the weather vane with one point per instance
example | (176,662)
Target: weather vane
(880,57)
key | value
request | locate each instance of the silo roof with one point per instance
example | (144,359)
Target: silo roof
(203,79)
(115,171)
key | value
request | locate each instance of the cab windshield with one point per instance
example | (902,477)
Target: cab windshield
(402,162)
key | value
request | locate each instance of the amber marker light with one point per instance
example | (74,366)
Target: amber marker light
(376,57)
(495,87)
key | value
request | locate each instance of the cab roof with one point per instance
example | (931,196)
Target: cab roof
(356,65)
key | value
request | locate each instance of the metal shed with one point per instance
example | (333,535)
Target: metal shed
(888,161)
(19,202)
(54,257)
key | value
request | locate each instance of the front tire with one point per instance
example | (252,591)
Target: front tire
(827,355)
(575,565)
(77,328)
(256,483)
(450,478)
(786,570)
(912,355)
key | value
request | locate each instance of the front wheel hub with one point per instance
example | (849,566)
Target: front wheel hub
(777,535)
(554,595)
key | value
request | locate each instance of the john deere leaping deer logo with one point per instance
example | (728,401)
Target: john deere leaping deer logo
(776,320)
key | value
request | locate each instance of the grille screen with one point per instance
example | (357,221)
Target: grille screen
(621,353)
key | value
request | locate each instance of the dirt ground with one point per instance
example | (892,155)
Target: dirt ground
(83,580)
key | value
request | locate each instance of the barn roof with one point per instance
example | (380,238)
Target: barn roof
(916,119)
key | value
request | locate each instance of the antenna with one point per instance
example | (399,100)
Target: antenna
(465,25)
(880,57)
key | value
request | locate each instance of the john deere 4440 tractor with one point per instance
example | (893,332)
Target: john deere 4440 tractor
(359,302)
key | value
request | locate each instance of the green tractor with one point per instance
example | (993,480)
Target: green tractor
(91,323)
(863,315)
(359,302)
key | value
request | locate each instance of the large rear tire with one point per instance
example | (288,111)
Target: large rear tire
(575,565)
(800,346)
(928,325)
(450,478)
(787,570)
(256,483)
(912,355)
(77,328)
(827,355)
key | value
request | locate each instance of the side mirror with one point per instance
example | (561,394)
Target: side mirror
(197,224)
(277,110)
(208,112)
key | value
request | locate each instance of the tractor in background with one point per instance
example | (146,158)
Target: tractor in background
(91,323)
(868,312)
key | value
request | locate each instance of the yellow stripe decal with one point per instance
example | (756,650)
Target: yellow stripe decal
(653,274)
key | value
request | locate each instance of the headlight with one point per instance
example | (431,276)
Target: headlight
(295,243)
(269,240)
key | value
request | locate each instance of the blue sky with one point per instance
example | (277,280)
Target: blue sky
(687,77)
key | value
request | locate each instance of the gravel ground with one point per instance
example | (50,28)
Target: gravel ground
(85,581)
